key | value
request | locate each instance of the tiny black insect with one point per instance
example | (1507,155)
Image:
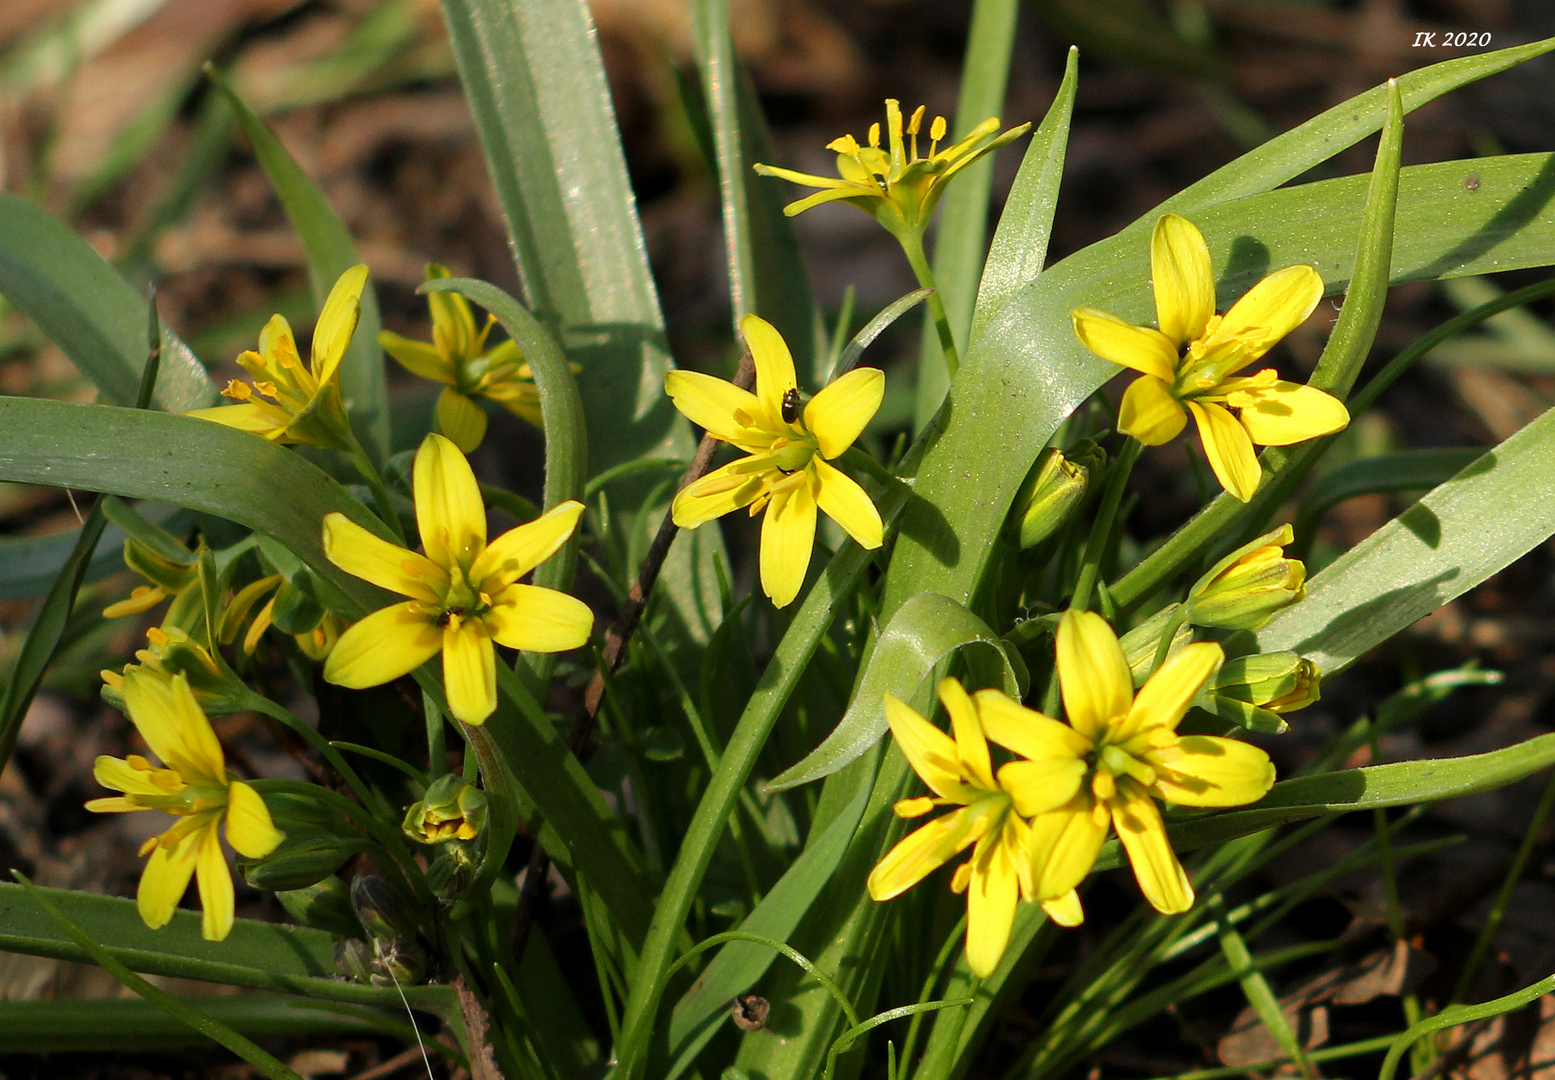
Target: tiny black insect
(447,617)
(791,405)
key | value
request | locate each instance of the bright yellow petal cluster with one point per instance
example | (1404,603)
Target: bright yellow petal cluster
(893,183)
(786,473)
(193,786)
(1187,366)
(458,358)
(168,577)
(464,593)
(304,404)
(1122,752)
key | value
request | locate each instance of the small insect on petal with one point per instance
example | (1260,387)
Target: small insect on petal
(791,405)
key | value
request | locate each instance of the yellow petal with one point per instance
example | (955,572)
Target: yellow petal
(1183,279)
(1039,786)
(449,513)
(524,547)
(462,420)
(774,365)
(844,191)
(1150,413)
(838,414)
(1147,351)
(141,598)
(991,899)
(848,505)
(388,566)
(1168,693)
(383,646)
(249,827)
(537,619)
(453,324)
(469,673)
(967,730)
(259,417)
(1205,770)
(1268,311)
(804,179)
(1063,845)
(174,726)
(1092,672)
(337,322)
(215,882)
(1065,910)
(930,752)
(165,879)
(120,775)
(1026,731)
(721,491)
(787,536)
(1161,877)
(417,357)
(710,403)
(1229,450)
(113,805)
(1287,413)
(922,852)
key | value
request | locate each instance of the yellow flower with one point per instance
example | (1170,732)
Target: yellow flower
(786,473)
(1117,755)
(304,405)
(464,594)
(959,772)
(315,641)
(894,184)
(1243,590)
(195,788)
(457,357)
(1189,362)
(168,577)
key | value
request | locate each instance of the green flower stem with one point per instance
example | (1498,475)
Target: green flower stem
(437,738)
(384,503)
(1101,531)
(1164,648)
(1514,875)
(912,247)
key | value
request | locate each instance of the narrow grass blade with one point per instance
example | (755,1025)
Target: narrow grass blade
(862,340)
(331,253)
(131,1024)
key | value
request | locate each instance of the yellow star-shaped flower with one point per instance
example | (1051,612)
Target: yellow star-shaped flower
(464,593)
(960,772)
(1189,363)
(304,403)
(194,787)
(894,184)
(786,474)
(1120,752)
(458,358)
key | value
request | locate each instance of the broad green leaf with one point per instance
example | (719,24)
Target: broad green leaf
(1401,470)
(766,272)
(218,470)
(256,955)
(1497,509)
(961,237)
(82,305)
(537,90)
(1019,250)
(739,964)
(331,253)
(923,633)
(129,1024)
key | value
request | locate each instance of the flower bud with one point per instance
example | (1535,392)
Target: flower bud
(379,908)
(1053,490)
(1243,590)
(171,651)
(397,961)
(300,861)
(1253,690)
(450,810)
(325,905)
(354,959)
(452,872)
(1140,644)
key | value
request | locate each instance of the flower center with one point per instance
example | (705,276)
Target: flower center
(462,601)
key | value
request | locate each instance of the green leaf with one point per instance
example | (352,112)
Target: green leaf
(1401,470)
(537,90)
(82,305)
(29,564)
(130,1024)
(961,239)
(1497,509)
(331,253)
(923,633)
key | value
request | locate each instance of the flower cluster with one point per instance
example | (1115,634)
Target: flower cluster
(1190,364)
(1039,821)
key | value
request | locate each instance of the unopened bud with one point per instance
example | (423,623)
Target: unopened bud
(379,908)
(325,905)
(450,810)
(398,961)
(1243,590)
(452,872)
(1253,690)
(299,862)
(1053,490)
(354,959)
